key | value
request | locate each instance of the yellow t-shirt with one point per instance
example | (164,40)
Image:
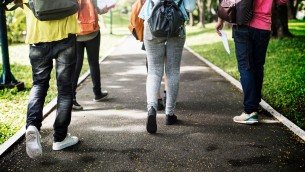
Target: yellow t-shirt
(48,31)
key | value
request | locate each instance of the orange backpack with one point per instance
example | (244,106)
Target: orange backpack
(136,25)
(87,17)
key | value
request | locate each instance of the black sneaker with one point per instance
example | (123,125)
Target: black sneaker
(101,97)
(170,119)
(76,106)
(160,105)
(151,125)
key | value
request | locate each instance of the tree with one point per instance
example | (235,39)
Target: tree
(280,21)
(293,6)
(212,10)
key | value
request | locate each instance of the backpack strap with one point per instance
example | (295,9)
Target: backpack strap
(179,3)
(13,7)
(16,6)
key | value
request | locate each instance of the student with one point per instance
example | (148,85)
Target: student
(251,42)
(89,38)
(48,41)
(157,48)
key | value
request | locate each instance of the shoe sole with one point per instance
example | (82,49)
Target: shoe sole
(151,125)
(246,122)
(171,123)
(98,100)
(64,146)
(36,152)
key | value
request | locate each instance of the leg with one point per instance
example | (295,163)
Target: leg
(65,67)
(93,47)
(80,48)
(244,54)
(244,44)
(42,64)
(155,51)
(262,38)
(174,48)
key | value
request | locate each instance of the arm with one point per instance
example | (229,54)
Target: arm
(219,26)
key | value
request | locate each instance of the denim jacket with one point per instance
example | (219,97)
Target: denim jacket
(186,6)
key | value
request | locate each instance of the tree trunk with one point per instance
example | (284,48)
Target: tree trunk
(280,21)
(201,6)
(212,10)
(293,8)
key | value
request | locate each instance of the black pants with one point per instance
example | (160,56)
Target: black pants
(93,48)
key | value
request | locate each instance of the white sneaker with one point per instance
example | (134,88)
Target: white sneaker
(68,141)
(245,118)
(33,146)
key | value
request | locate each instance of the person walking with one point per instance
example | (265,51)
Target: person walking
(157,48)
(50,40)
(89,38)
(251,43)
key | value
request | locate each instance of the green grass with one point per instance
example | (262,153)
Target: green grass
(13,103)
(284,82)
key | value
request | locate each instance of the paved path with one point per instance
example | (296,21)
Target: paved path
(113,136)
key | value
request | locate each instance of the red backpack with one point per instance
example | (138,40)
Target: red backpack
(87,17)
(136,25)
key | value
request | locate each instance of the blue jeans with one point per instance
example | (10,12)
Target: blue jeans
(41,58)
(93,49)
(251,46)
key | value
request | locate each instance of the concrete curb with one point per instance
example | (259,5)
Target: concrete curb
(294,128)
(51,106)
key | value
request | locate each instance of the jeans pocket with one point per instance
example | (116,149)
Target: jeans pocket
(38,51)
(240,36)
(265,35)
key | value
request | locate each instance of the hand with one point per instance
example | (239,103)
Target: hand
(219,26)
(102,11)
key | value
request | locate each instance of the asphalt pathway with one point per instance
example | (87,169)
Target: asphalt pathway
(113,136)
